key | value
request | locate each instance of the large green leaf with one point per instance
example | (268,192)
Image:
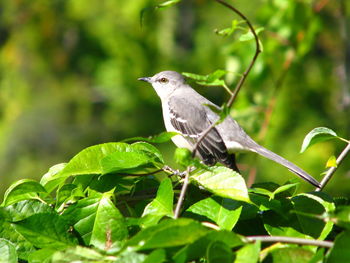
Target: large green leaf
(218,251)
(98,221)
(24,209)
(22,190)
(340,251)
(309,208)
(290,255)
(319,134)
(41,255)
(222,181)
(50,180)
(46,230)
(8,252)
(197,249)
(248,254)
(81,254)
(168,233)
(88,160)
(224,212)
(161,206)
(126,162)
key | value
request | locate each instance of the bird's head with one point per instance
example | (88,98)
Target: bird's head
(165,82)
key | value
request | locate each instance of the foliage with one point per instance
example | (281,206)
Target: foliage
(114,202)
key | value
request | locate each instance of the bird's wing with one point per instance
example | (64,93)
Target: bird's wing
(188,118)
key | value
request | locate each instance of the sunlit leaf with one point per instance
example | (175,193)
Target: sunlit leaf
(98,221)
(249,253)
(22,190)
(197,249)
(332,162)
(8,252)
(224,212)
(162,205)
(46,230)
(222,181)
(319,134)
(249,35)
(168,233)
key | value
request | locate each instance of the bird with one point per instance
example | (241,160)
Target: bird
(189,114)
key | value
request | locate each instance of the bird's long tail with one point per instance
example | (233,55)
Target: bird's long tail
(292,167)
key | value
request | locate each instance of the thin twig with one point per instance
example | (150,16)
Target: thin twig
(243,77)
(332,170)
(291,240)
(257,52)
(182,193)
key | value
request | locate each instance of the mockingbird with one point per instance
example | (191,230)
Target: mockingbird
(186,112)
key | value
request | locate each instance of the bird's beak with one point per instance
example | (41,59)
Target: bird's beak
(147,79)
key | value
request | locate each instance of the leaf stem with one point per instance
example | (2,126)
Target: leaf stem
(332,170)
(291,240)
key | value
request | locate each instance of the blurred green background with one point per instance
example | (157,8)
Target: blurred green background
(69,69)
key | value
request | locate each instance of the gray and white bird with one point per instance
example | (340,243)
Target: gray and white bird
(186,112)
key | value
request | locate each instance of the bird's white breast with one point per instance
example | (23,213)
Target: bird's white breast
(179,140)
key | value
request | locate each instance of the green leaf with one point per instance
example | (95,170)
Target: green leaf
(98,221)
(197,249)
(81,254)
(340,251)
(22,190)
(248,254)
(8,252)
(88,160)
(249,35)
(160,138)
(168,233)
(218,251)
(161,206)
(212,79)
(290,255)
(183,156)
(309,208)
(68,193)
(23,247)
(126,162)
(24,209)
(283,188)
(341,216)
(228,31)
(319,134)
(156,256)
(332,162)
(222,181)
(46,230)
(224,212)
(150,149)
(48,179)
(42,255)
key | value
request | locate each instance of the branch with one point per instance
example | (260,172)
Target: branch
(182,193)
(291,240)
(332,170)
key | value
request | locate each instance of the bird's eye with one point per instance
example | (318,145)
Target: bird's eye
(163,80)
